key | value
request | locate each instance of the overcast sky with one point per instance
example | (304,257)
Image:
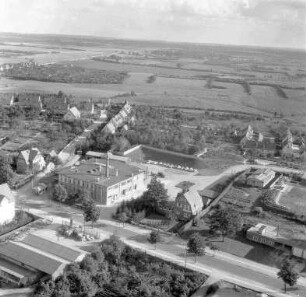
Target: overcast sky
(278,23)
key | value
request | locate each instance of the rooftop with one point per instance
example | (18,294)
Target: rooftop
(261,174)
(95,172)
(100,155)
(209,193)
(30,257)
(53,248)
(194,199)
(292,239)
(14,269)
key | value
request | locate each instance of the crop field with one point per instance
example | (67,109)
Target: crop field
(182,73)
(241,199)
(81,91)
(295,200)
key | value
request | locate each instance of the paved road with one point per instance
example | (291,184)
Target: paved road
(173,249)
(229,268)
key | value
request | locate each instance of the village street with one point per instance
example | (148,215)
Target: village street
(172,248)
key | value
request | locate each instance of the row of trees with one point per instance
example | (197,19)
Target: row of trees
(152,200)
(116,269)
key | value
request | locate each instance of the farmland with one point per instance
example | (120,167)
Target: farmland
(256,80)
(295,199)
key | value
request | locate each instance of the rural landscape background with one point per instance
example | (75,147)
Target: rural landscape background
(248,79)
(198,120)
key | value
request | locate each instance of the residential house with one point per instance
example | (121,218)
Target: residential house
(260,178)
(7,204)
(293,148)
(107,181)
(256,144)
(119,119)
(30,160)
(27,101)
(72,114)
(188,204)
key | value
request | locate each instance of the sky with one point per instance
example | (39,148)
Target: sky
(275,23)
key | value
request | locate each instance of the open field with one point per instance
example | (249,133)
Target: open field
(295,200)
(181,70)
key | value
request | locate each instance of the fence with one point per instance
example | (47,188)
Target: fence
(93,232)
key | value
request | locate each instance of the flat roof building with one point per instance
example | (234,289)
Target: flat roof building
(107,181)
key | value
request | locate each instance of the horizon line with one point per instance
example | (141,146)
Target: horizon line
(159,40)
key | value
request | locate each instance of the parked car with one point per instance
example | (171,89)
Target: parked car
(40,189)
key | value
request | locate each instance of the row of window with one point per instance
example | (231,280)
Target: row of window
(123,193)
(263,240)
(183,206)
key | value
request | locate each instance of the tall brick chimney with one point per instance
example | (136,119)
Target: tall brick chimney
(107,164)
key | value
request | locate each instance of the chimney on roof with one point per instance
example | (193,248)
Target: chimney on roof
(107,164)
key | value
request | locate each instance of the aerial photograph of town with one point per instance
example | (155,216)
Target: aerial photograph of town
(153,148)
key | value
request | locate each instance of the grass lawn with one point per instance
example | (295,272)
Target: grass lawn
(240,246)
(295,200)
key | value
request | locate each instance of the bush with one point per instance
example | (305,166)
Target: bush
(160,174)
(258,211)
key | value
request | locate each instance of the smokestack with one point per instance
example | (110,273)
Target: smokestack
(107,164)
(117,172)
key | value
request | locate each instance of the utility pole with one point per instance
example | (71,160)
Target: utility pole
(186,255)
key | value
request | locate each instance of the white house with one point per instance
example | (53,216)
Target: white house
(30,160)
(7,204)
(72,114)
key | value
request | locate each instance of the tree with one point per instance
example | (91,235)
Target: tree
(195,245)
(156,194)
(120,144)
(139,216)
(81,284)
(90,264)
(113,249)
(44,289)
(122,217)
(154,237)
(6,172)
(91,212)
(226,221)
(60,193)
(287,274)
